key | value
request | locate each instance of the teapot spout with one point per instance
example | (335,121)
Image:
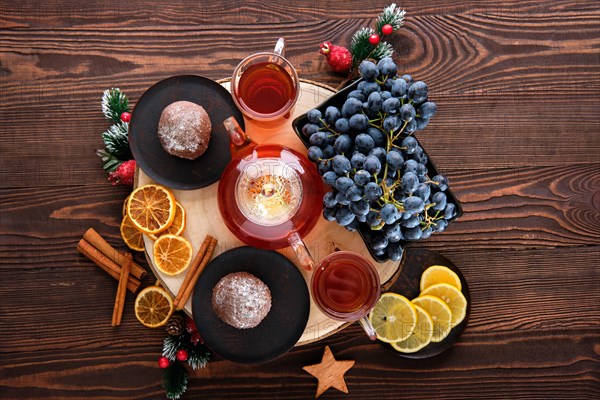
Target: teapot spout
(238,138)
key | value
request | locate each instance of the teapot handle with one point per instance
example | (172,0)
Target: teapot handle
(299,247)
(238,138)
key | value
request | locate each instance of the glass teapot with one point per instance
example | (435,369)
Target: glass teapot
(270,196)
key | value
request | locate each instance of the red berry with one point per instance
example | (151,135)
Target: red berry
(124,174)
(164,362)
(387,29)
(374,39)
(182,355)
(126,116)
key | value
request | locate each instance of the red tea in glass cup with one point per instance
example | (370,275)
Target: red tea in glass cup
(265,86)
(345,286)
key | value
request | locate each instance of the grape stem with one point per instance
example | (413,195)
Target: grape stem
(326,125)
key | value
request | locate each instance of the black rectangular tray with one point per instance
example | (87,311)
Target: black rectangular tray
(338,100)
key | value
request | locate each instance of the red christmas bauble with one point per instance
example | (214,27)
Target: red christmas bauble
(195,338)
(126,116)
(182,355)
(164,362)
(374,39)
(338,57)
(387,29)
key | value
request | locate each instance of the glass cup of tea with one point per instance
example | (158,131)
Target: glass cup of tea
(345,286)
(265,86)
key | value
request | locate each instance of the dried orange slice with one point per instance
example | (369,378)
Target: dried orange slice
(151,208)
(178,224)
(153,306)
(172,254)
(132,236)
(124,211)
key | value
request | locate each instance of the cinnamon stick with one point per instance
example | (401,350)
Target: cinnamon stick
(104,247)
(109,266)
(121,291)
(202,258)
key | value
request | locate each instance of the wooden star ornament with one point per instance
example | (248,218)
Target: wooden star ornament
(329,372)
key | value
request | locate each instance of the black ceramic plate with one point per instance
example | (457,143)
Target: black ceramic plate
(283,325)
(176,172)
(407,284)
(338,100)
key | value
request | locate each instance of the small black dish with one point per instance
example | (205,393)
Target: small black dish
(407,284)
(338,100)
(282,327)
(176,172)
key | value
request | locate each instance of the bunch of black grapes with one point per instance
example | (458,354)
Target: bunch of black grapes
(376,169)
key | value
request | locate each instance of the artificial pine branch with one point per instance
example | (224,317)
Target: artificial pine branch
(392,15)
(360,47)
(116,141)
(175,380)
(114,103)
(382,50)
(198,354)
(109,162)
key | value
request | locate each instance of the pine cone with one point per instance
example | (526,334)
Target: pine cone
(176,325)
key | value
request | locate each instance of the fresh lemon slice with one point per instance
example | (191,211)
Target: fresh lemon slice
(172,254)
(440,315)
(151,208)
(153,306)
(131,235)
(452,297)
(439,274)
(394,318)
(420,337)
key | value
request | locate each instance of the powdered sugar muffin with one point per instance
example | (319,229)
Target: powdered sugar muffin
(184,129)
(241,300)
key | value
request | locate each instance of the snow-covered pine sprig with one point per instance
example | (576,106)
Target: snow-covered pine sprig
(198,354)
(114,103)
(175,380)
(361,47)
(117,142)
(392,15)
(175,377)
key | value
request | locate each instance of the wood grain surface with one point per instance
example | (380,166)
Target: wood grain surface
(518,134)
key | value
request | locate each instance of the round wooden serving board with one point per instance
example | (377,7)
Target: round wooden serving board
(203,218)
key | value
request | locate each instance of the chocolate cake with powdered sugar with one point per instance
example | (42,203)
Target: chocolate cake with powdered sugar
(184,129)
(241,300)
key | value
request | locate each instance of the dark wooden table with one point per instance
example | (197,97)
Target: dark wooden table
(518,133)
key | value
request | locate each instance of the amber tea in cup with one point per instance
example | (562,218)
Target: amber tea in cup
(345,286)
(265,86)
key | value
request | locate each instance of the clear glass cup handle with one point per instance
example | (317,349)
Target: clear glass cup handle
(304,257)
(280,47)
(368,327)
